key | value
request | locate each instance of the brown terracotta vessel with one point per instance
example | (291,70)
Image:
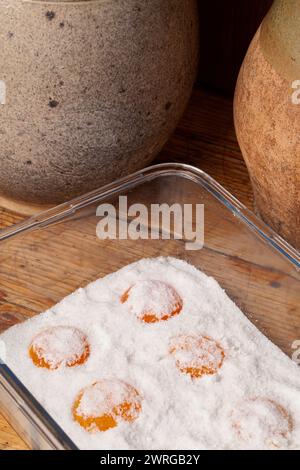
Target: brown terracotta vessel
(267,118)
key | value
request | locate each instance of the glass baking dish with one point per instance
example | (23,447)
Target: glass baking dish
(50,255)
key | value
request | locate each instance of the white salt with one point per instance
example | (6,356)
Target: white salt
(252,401)
(60,346)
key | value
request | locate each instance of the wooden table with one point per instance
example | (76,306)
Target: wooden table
(205,138)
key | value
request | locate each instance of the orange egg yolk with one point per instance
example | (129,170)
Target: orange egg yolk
(152,301)
(197,355)
(59,346)
(262,413)
(102,405)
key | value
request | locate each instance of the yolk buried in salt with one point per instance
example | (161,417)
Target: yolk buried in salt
(261,419)
(197,355)
(106,403)
(59,346)
(152,301)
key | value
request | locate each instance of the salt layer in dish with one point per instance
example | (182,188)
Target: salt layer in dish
(252,401)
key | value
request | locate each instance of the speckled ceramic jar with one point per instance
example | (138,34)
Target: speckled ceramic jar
(267,118)
(93,89)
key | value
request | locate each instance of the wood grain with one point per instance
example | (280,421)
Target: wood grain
(48,265)
(9,440)
(206,138)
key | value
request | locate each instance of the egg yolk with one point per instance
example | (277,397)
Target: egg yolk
(197,355)
(261,419)
(106,403)
(59,346)
(152,301)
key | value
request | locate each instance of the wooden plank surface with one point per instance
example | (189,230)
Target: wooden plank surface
(205,137)
(9,440)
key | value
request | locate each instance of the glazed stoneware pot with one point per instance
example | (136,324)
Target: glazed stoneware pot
(93,89)
(267,118)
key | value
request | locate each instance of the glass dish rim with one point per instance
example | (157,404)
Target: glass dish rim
(192,173)
(37,414)
(60,212)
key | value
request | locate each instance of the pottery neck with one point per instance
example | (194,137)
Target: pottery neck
(280,38)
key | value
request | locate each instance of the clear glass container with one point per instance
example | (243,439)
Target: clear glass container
(48,256)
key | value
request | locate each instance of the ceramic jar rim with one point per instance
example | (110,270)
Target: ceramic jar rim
(59,2)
